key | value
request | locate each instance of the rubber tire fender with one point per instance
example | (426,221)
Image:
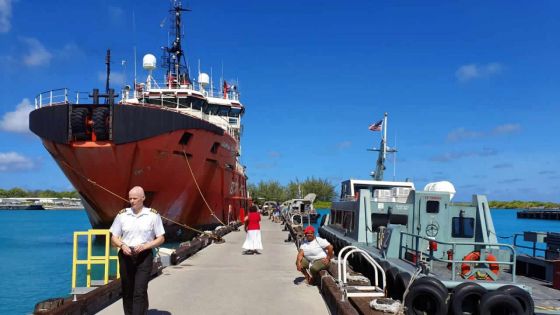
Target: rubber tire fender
(391,275)
(101,123)
(427,298)
(522,296)
(401,283)
(469,292)
(429,280)
(78,123)
(501,302)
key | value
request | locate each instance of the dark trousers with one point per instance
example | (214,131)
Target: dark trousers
(135,274)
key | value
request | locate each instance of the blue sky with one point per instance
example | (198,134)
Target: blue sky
(472,88)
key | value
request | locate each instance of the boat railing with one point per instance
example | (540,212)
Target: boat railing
(534,238)
(195,86)
(453,263)
(60,97)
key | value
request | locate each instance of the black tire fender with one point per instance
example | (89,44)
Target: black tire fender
(522,296)
(498,302)
(432,281)
(466,298)
(401,283)
(78,121)
(391,275)
(425,298)
(101,123)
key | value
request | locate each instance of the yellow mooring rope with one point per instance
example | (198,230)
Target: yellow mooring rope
(125,200)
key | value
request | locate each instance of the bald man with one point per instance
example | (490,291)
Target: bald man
(136,230)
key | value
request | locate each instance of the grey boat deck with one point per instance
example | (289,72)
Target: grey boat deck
(220,280)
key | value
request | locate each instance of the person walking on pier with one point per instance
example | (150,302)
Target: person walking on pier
(136,231)
(314,255)
(253,242)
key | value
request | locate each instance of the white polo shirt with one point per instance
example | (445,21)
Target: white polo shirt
(137,229)
(316,249)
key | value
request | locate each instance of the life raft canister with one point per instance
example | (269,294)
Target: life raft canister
(475,256)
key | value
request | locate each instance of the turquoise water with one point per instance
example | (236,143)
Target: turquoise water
(37,252)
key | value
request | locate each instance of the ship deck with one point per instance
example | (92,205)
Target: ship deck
(220,280)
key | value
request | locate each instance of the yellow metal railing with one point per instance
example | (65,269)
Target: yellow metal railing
(93,259)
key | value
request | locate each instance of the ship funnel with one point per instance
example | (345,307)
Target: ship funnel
(443,186)
(149,62)
(203,79)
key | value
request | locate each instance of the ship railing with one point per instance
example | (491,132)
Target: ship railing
(454,263)
(534,238)
(104,260)
(231,94)
(60,97)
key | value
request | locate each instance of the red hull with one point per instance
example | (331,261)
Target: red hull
(160,167)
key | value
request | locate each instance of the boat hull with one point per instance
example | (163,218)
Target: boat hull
(157,157)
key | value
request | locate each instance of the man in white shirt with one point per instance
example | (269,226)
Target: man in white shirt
(136,230)
(314,255)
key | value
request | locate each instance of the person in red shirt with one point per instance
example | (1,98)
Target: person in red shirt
(253,242)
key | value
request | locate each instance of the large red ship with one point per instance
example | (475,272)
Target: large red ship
(179,140)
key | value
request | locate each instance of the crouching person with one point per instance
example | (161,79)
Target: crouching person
(314,255)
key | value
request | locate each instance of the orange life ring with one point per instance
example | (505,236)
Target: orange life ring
(475,256)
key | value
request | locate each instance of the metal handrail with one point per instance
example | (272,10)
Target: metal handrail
(93,259)
(534,248)
(454,245)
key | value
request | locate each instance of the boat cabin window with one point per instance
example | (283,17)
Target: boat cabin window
(235,112)
(432,206)
(222,110)
(462,227)
(344,219)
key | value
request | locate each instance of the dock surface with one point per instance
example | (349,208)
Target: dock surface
(221,280)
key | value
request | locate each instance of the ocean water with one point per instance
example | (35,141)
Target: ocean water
(37,252)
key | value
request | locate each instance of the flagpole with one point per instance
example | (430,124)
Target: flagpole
(384,137)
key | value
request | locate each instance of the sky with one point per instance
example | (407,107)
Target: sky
(471,88)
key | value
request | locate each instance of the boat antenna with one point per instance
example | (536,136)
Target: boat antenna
(174,58)
(134,47)
(108,63)
(383,150)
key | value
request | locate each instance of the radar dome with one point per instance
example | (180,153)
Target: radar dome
(443,186)
(203,79)
(149,62)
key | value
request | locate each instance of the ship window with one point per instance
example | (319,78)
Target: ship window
(462,227)
(214,148)
(348,220)
(432,206)
(185,138)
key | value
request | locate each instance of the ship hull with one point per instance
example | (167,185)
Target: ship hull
(155,153)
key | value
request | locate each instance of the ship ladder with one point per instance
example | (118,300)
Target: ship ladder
(104,260)
(374,291)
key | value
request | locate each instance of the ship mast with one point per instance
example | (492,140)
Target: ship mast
(383,150)
(174,56)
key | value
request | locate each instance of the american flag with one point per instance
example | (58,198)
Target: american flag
(377,126)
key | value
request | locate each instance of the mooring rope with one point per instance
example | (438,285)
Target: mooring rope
(125,200)
(198,187)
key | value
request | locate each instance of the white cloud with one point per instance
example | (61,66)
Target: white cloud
(463,134)
(12,161)
(473,71)
(18,120)
(344,145)
(116,13)
(506,129)
(37,54)
(116,79)
(5,15)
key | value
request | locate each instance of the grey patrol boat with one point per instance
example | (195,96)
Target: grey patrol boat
(449,250)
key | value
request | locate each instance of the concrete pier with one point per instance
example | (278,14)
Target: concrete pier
(220,280)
